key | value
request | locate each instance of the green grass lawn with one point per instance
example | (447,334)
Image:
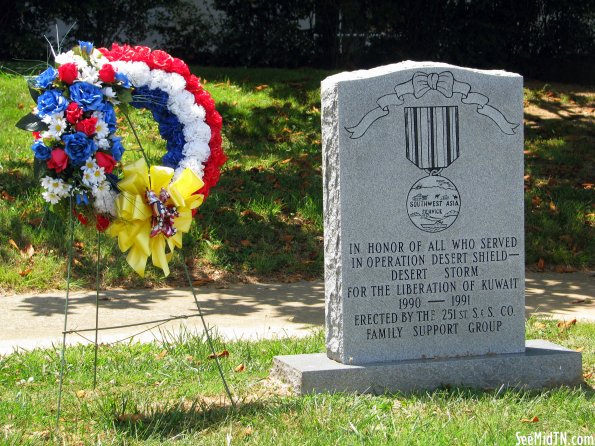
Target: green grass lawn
(264,218)
(171,393)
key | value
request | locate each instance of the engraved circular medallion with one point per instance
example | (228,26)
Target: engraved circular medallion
(433,203)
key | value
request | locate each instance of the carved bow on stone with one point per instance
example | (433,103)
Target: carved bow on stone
(442,82)
(419,85)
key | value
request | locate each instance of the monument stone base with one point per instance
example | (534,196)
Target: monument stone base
(543,364)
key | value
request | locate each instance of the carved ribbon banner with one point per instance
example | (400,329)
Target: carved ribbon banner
(418,86)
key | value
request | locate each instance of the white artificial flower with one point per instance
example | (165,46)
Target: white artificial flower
(97,58)
(177,81)
(90,164)
(138,72)
(54,186)
(45,182)
(70,57)
(191,163)
(101,129)
(180,103)
(110,94)
(197,131)
(103,143)
(57,126)
(101,188)
(105,202)
(196,149)
(99,175)
(89,177)
(50,197)
(90,75)
(171,83)
(158,79)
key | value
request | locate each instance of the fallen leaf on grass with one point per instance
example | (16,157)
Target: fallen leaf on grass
(35,221)
(250,213)
(565,325)
(248,431)
(245,243)
(564,269)
(161,355)
(132,418)
(588,185)
(541,265)
(12,243)
(261,87)
(539,325)
(81,393)
(202,281)
(25,272)
(532,420)
(553,207)
(240,368)
(6,196)
(28,251)
(45,435)
(588,375)
(221,354)
(285,161)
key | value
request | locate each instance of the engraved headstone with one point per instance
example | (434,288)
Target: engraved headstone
(424,220)
(428,218)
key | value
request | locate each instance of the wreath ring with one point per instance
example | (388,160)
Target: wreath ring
(184,111)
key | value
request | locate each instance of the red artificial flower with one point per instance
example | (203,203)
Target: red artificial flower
(107,73)
(87,126)
(180,67)
(80,217)
(68,72)
(106,161)
(193,84)
(36,135)
(102,223)
(73,112)
(58,160)
(160,60)
(141,53)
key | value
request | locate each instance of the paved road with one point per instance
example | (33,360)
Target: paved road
(240,311)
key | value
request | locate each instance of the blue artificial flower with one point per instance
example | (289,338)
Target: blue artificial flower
(45,79)
(144,97)
(50,102)
(78,147)
(42,152)
(88,96)
(117,148)
(169,126)
(86,47)
(109,116)
(121,77)
(81,198)
(172,158)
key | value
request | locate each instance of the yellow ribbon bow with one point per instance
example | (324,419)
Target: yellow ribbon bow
(133,224)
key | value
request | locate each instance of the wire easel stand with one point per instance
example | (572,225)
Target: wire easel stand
(68,271)
(97,329)
(154,323)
